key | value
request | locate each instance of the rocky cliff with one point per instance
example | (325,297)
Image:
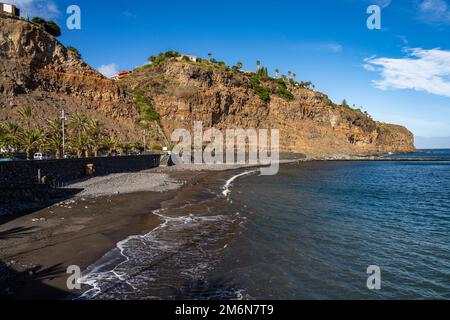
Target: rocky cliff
(309,122)
(36,70)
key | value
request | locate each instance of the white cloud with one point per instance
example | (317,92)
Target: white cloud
(420,70)
(108,70)
(383,3)
(129,14)
(434,11)
(332,47)
(40,8)
(369,67)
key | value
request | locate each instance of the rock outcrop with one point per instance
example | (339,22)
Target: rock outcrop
(37,70)
(310,123)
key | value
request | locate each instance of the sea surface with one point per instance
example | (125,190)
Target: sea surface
(424,154)
(309,232)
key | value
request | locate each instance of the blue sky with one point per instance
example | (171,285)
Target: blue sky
(399,74)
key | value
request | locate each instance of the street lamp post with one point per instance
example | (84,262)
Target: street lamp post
(63,126)
(145,142)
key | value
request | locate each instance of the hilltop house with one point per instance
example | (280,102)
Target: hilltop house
(121,75)
(188,57)
(9,9)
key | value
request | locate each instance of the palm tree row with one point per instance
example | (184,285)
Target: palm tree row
(85,137)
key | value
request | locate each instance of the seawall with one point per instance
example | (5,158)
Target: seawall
(25,184)
(63,171)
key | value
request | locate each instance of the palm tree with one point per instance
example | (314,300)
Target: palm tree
(239,65)
(124,148)
(3,136)
(277,73)
(138,146)
(53,137)
(29,140)
(79,143)
(95,133)
(10,131)
(54,125)
(294,76)
(290,74)
(26,115)
(258,65)
(79,125)
(109,144)
(54,143)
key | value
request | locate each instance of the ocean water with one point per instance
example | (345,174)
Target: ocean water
(308,233)
(425,153)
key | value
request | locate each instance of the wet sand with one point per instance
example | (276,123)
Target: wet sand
(36,249)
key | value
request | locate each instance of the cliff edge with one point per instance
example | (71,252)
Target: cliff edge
(185,91)
(38,71)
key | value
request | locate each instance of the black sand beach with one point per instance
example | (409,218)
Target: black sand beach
(36,249)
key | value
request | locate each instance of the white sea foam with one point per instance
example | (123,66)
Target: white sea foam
(227,187)
(112,267)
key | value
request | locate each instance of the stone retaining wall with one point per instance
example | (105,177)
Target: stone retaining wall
(66,170)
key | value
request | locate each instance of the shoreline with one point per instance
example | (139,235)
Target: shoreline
(36,249)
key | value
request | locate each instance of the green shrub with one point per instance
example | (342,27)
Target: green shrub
(305,84)
(49,26)
(145,107)
(151,115)
(38,21)
(284,92)
(162,57)
(74,51)
(345,104)
(261,91)
(142,102)
(52,28)
(238,66)
(263,73)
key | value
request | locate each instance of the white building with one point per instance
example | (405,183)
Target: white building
(9,9)
(187,56)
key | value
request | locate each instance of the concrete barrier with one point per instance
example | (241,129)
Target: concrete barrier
(66,170)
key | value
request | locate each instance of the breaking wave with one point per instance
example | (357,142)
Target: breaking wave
(173,260)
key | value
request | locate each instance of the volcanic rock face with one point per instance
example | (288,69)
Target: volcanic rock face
(36,70)
(184,92)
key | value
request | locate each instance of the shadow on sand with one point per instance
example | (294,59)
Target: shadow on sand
(16,233)
(28,285)
(17,202)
